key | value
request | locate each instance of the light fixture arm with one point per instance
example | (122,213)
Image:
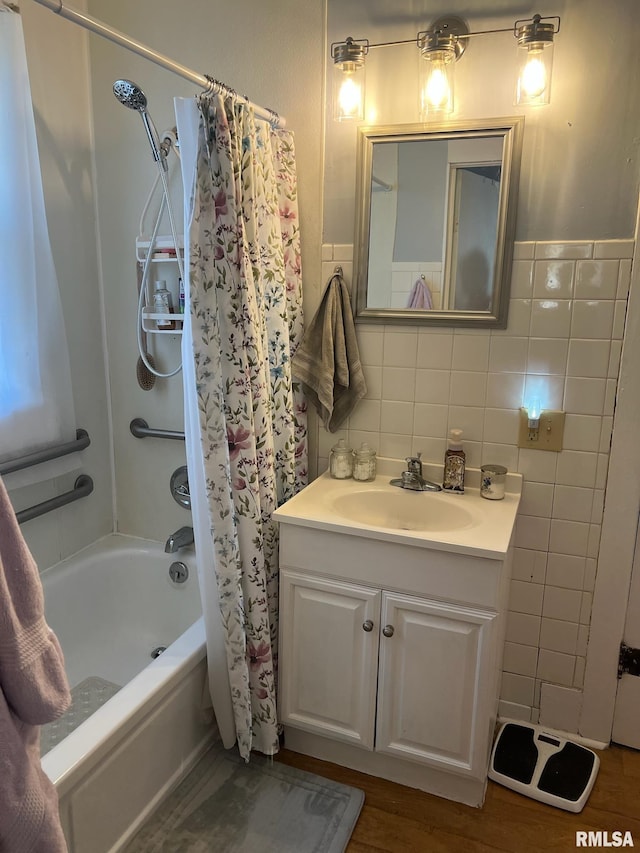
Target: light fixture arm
(437,26)
(535,26)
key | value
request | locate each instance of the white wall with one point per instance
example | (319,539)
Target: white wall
(58,70)
(274,54)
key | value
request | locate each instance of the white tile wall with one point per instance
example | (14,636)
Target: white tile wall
(562,344)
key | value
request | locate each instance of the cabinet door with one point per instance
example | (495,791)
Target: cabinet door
(328,660)
(433,705)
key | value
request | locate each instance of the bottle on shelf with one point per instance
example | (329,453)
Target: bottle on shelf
(162,305)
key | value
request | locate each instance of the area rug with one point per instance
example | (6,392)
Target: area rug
(227,806)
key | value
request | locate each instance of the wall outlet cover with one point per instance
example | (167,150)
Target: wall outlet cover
(549,434)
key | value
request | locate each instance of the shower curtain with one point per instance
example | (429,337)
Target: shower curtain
(245,420)
(36,396)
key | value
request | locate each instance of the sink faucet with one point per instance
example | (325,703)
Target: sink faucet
(414,465)
(412,478)
(180,539)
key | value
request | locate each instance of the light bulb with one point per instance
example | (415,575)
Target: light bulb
(350,98)
(535,63)
(534,75)
(437,90)
(348,82)
(436,83)
(534,410)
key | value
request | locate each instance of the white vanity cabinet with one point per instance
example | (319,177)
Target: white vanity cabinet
(392,615)
(434,665)
(329,657)
(390,657)
(395,673)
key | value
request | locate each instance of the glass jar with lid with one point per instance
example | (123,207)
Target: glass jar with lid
(492,484)
(341,461)
(364,463)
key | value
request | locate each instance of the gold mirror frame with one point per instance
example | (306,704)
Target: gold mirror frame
(510,129)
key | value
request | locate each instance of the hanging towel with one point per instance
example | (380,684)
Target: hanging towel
(328,361)
(420,296)
(33,690)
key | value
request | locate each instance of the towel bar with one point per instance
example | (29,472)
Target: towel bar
(82,487)
(141,429)
(82,440)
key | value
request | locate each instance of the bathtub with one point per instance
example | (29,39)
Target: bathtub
(112,606)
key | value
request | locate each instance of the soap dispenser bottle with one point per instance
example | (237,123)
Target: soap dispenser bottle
(454,462)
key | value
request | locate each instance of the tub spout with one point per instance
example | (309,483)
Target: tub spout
(180,539)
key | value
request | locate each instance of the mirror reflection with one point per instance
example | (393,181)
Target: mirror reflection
(436,223)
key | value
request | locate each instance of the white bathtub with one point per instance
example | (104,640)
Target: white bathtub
(111,605)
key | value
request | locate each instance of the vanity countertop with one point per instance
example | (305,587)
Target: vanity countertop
(460,523)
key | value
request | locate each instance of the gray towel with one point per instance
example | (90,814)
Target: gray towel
(328,361)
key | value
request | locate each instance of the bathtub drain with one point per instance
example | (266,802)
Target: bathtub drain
(158,651)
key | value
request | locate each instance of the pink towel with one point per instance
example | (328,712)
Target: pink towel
(33,690)
(420,296)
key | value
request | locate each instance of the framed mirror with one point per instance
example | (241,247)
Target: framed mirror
(435,222)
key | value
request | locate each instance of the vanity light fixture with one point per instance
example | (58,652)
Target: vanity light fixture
(348,79)
(440,47)
(535,60)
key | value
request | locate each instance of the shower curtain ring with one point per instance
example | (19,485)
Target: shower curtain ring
(274,121)
(214,87)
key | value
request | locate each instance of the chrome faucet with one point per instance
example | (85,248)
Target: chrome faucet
(180,539)
(412,478)
(414,465)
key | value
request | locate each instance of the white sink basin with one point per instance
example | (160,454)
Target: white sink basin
(463,523)
(401,509)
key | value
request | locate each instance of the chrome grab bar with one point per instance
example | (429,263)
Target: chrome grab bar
(141,429)
(82,487)
(81,442)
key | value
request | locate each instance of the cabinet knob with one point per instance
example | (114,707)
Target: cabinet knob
(367,626)
(388,630)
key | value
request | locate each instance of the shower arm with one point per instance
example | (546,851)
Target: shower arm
(96,26)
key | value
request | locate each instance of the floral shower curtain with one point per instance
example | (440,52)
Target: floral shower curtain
(245,306)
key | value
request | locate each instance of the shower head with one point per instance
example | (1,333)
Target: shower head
(131,95)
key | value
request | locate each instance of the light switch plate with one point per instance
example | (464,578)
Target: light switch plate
(549,434)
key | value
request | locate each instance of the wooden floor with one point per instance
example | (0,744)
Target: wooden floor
(402,820)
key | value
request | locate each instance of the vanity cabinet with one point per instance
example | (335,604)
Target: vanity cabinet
(329,635)
(398,674)
(390,652)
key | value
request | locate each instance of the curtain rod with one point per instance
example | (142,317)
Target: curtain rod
(208,83)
